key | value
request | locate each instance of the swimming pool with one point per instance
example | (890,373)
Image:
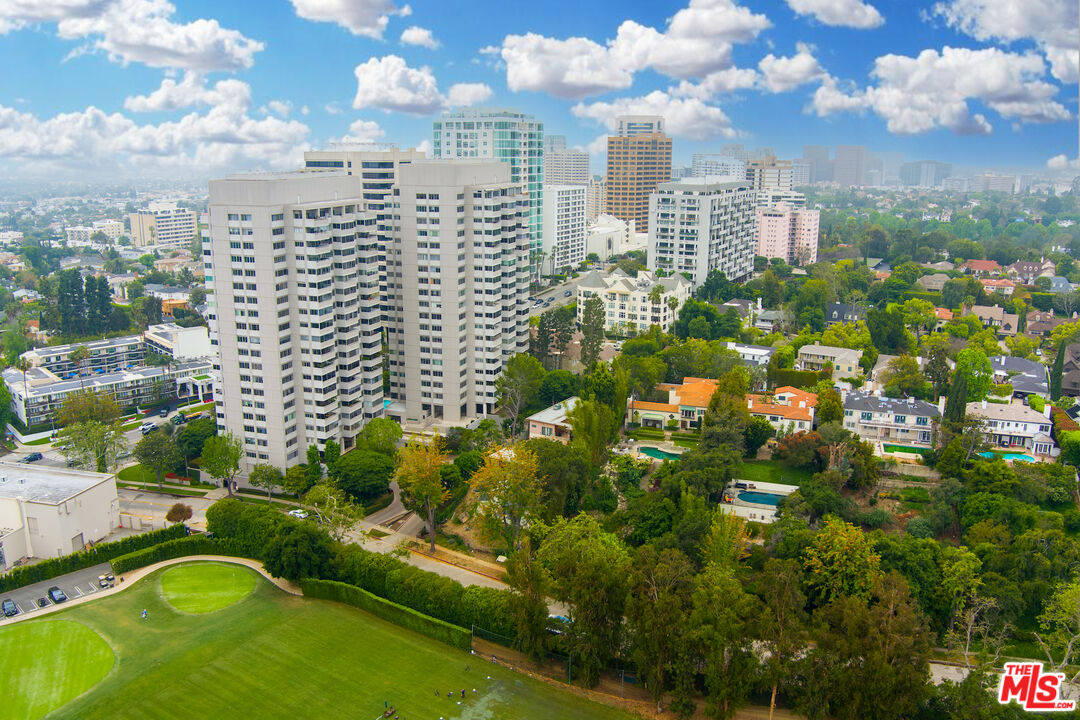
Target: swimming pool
(1008,456)
(760,498)
(657,453)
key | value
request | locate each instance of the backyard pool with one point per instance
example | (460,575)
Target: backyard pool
(658,453)
(760,498)
(1009,456)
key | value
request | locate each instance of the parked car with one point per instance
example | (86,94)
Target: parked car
(568,293)
(57,595)
(42,602)
(10,608)
(32,457)
(164,412)
(106,580)
(298,513)
(147,427)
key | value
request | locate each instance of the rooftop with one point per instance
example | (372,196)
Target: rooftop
(864,402)
(1013,412)
(556,414)
(42,382)
(45,484)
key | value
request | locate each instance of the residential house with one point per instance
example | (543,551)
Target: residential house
(1016,427)
(995,317)
(1025,271)
(551,423)
(745,308)
(991,285)
(772,320)
(841,313)
(979,268)
(845,362)
(788,409)
(1027,376)
(1070,375)
(686,405)
(889,420)
(752,354)
(942,266)
(1041,323)
(1059,285)
(932,283)
(943,314)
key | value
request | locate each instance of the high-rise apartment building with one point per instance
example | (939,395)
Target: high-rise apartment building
(992,182)
(562,165)
(554,142)
(509,136)
(699,226)
(638,159)
(296,315)
(716,165)
(800,173)
(163,224)
(769,174)
(788,232)
(849,168)
(458,271)
(820,165)
(595,198)
(892,163)
(564,227)
(925,173)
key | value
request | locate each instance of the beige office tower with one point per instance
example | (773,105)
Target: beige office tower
(295,314)
(595,198)
(639,159)
(457,263)
(769,175)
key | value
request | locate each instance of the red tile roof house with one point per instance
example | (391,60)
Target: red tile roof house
(1005,287)
(979,268)
(788,408)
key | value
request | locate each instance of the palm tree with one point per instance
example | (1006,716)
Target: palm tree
(22,364)
(78,357)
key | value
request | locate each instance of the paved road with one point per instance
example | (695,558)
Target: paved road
(151,505)
(76,584)
(557,295)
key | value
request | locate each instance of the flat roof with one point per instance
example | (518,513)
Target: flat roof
(91,345)
(98,381)
(45,484)
(556,414)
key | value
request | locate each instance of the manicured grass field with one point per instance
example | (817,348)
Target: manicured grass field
(206,587)
(48,663)
(772,471)
(274,655)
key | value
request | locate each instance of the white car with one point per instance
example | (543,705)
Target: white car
(298,513)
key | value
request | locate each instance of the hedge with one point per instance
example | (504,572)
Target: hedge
(931,297)
(779,377)
(182,547)
(408,618)
(53,567)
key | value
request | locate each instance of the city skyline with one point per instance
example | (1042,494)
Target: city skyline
(119,88)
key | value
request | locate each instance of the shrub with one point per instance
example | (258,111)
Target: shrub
(178,513)
(919,527)
(406,617)
(46,569)
(181,547)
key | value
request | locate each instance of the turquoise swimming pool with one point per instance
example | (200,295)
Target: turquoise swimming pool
(1008,456)
(657,453)
(760,498)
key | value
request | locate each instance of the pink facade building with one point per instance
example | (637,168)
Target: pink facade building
(788,232)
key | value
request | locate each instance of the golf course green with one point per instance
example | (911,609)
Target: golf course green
(221,641)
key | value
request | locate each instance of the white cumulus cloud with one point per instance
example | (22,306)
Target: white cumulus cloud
(416,35)
(388,83)
(1053,24)
(141,31)
(696,42)
(841,13)
(364,131)
(686,117)
(1062,162)
(191,91)
(780,74)
(464,94)
(932,90)
(718,83)
(368,18)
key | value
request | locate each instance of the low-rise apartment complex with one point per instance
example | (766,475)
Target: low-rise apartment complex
(629,301)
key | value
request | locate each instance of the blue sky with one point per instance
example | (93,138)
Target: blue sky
(130,87)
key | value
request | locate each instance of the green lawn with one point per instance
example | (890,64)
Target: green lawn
(39,441)
(773,471)
(206,587)
(269,655)
(46,664)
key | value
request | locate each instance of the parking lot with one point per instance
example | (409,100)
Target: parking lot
(74,585)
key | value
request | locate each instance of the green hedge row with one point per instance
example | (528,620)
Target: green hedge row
(398,614)
(780,377)
(182,547)
(46,569)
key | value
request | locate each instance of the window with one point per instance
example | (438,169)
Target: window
(866,417)
(901,419)
(922,420)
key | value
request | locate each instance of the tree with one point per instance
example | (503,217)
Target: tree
(336,512)
(298,551)
(92,445)
(956,401)
(841,562)
(78,358)
(919,315)
(557,386)
(221,458)
(158,452)
(589,570)
(267,476)
(726,543)
(331,455)
(529,584)
(887,330)
(782,626)
(591,423)
(296,481)
(937,365)
(314,467)
(1055,373)
(178,513)
(975,367)
(592,330)
(365,474)
(507,493)
(518,386)
(657,611)
(757,433)
(830,408)
(194,435)
(772,290)
(1059,627)
(381,435)
(420,481)
(903,378)
(88,406)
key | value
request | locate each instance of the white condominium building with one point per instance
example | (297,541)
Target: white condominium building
(769,174)
(713,164)
(163,224)
(596,197)
(564,227)
(699,226)
(633,304)
(565,166)
(458,269)
(296,314)
(788,233)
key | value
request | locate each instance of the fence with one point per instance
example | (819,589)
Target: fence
(616,682)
